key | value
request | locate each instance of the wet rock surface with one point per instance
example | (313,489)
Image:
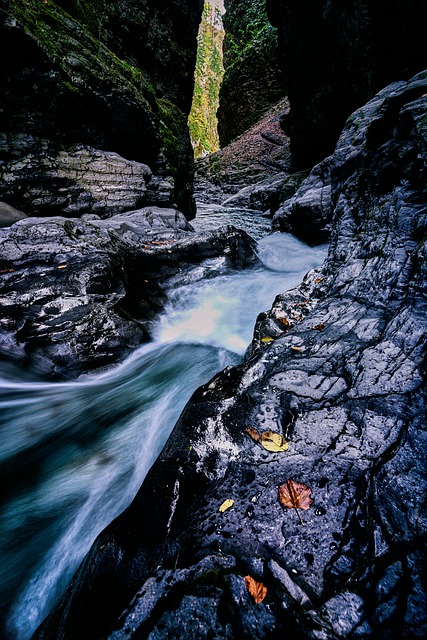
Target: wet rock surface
(308,212)
(343,380)
(79,294)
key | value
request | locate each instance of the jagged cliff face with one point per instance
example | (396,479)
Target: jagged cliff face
(253,79)
(92,92)
(334,58)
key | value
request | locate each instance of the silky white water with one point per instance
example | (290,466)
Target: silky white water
(74,454)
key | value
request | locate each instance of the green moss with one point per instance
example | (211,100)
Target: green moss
(172,122)
(202,121)
(56,32)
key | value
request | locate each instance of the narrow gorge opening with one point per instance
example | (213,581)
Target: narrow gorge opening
(202,121)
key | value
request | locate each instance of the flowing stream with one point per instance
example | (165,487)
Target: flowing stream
(76,453)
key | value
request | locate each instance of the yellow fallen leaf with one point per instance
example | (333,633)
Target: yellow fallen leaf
(273,441)
(226,505)
(267,339)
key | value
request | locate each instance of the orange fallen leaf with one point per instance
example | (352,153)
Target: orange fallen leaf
(284,321)
(253,433)
(257,590)
(296,348)
(317,280)
(295,495)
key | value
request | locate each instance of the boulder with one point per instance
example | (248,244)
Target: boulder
(9,215)
(308,213)
(78,294)
(344,383)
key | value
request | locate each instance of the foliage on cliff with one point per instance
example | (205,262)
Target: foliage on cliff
(246,25)
(208,76)
(252,80)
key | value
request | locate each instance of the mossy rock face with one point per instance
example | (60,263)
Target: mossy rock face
(253,78)
(65,83)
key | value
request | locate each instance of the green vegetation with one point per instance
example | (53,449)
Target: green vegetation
(57,34)
(246,25)
(171,126)
(202,120)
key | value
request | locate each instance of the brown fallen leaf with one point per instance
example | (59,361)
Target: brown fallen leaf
(253,433)
(295,495)
(296,348)
(257,590)
(284,321)
(227,504)
(273,441)
(317,280)
(319,327)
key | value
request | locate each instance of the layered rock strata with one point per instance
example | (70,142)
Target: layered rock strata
(337,368)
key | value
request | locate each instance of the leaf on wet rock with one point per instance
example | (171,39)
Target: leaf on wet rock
(257,590)
(273,441)
(295,495)
(318,280)
(284,321)
(267,339)
(319,327)
(296,348)
(253,433)
(227,504)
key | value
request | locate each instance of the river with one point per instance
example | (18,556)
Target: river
(77,452)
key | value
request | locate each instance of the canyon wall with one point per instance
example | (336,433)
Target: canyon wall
(252,80)
(335,57)
(92,92)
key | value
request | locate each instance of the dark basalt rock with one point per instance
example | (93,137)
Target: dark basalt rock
(335,57)
(79,294)
(308,213)
(9,215)
(345,384)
